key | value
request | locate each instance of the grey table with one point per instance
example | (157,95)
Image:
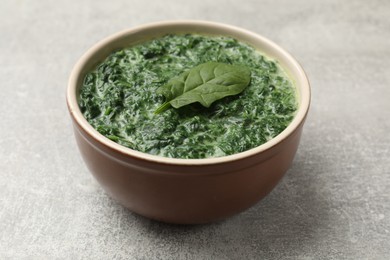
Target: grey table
(334,203)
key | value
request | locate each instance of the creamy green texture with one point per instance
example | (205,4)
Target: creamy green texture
(118,98)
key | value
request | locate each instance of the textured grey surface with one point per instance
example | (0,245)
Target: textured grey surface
(334,203)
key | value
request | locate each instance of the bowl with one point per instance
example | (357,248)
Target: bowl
(186,191)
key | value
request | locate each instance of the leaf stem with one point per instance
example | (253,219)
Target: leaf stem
(162,108)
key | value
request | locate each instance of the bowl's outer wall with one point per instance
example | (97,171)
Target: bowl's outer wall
(185,194)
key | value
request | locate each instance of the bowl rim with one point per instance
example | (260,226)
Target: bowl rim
(304,104)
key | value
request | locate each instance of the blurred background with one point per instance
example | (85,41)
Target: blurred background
(332,204)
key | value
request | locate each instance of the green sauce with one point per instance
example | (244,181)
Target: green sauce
(118,98)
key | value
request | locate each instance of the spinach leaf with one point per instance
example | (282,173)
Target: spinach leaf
(205,84)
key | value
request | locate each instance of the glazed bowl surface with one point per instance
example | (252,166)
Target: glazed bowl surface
(186,191)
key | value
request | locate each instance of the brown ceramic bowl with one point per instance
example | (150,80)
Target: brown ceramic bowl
(186,191)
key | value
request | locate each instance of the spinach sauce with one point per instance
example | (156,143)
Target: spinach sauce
(118,98)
